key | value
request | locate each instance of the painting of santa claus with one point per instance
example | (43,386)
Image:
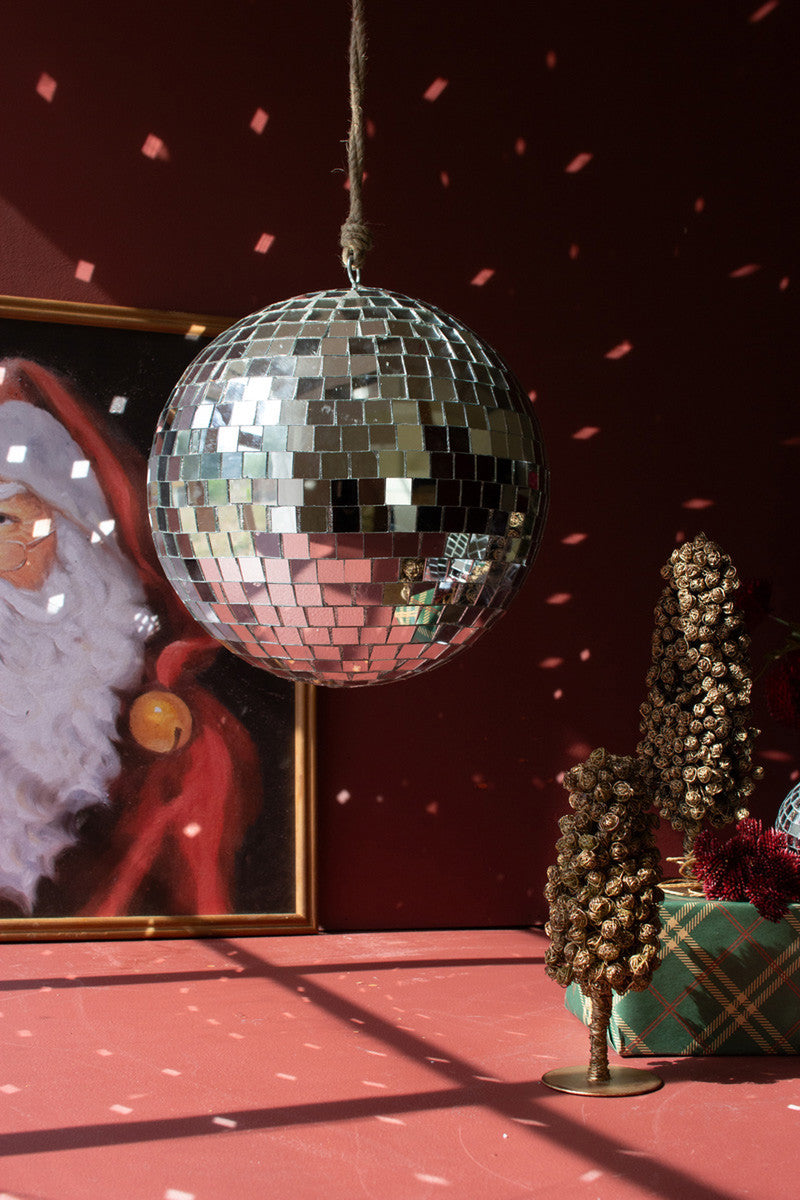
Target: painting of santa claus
(149,782)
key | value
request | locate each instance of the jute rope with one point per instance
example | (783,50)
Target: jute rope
(355,238)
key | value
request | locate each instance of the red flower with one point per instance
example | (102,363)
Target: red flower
(754,864)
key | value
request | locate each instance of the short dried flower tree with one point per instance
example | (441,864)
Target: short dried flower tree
(604,920)
(697,742)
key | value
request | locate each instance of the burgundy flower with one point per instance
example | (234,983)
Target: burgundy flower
(754,864)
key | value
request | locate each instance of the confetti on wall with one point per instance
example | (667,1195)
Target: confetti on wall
(46,87)
(154,147)
(435,89)
(578,163)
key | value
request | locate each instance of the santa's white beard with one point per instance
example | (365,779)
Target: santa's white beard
(65,652)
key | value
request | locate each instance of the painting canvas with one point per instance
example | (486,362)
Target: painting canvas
(150,782)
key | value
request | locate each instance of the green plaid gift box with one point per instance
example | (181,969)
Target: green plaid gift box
(728,983)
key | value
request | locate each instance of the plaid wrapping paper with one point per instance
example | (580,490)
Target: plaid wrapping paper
(728,983)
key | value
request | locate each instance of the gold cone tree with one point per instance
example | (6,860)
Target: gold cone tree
(697,742)
(603,891)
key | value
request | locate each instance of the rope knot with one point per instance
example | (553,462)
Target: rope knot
(356,242)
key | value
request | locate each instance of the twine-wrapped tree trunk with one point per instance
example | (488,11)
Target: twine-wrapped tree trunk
(697,742)
(603,891)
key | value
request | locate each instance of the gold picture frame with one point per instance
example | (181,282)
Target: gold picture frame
(117,366)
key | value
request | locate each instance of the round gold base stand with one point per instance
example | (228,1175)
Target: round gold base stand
(624,1081)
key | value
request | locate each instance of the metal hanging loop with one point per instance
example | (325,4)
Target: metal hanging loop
(353,272)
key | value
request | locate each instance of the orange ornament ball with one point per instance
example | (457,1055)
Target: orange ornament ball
(160,721)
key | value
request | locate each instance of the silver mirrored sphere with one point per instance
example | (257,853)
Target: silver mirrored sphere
(347,487)
(789,817)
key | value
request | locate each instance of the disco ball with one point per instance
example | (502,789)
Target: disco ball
(347,487)
(788,818)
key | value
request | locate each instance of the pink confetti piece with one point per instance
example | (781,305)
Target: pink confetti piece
(699,205)
(574,251)
(154,148)
(780,756)
(585,655)
(444,179)
(559,598)
(579,750)
(435,89)
(558,694)
(84,271)
(551,60)
(532,395)
(574,539)
(697,503)
(520,146)
(46,87)
(264,242)
(258,121)
(585,432)
(578,163)
(743,272)
(550,664)
(762,12)
(482,277)
(784,283)
(619,351)
(343,796)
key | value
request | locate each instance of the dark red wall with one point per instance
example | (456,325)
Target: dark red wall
(438,797)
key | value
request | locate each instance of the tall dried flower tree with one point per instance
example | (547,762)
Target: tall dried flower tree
(697,741)
(603,891)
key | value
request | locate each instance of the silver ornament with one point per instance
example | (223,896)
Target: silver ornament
(347,487)
(788,819)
